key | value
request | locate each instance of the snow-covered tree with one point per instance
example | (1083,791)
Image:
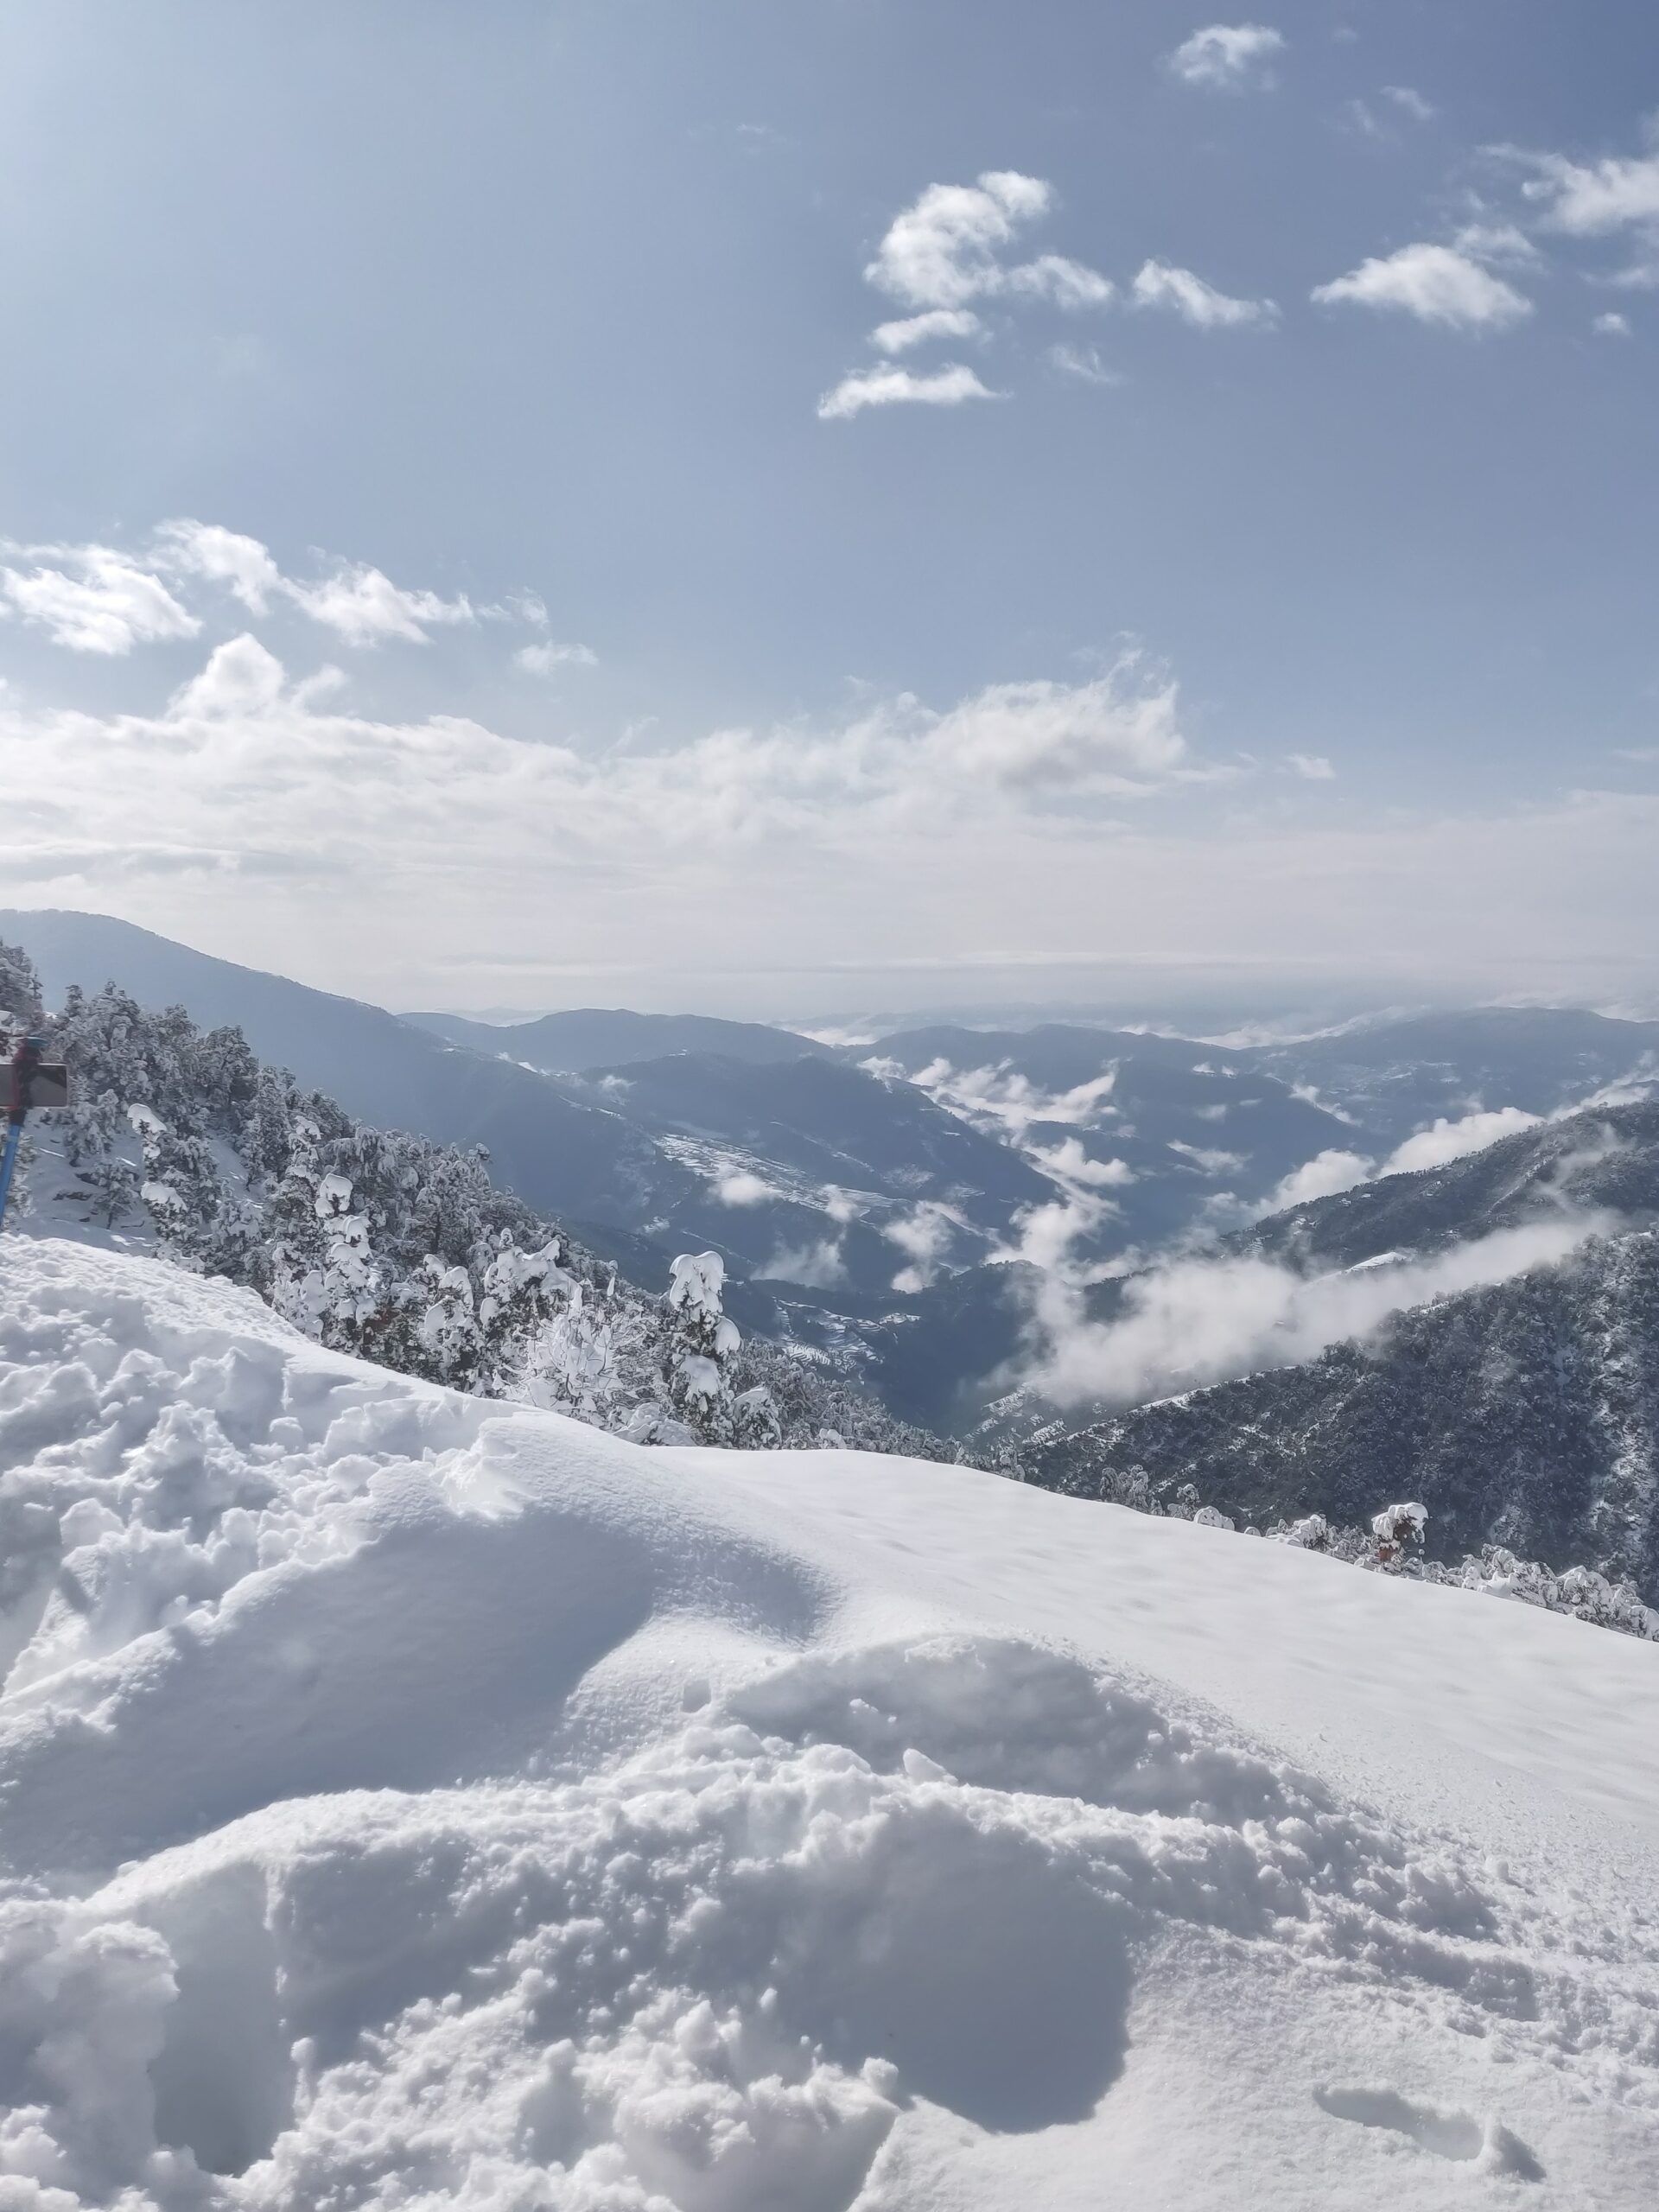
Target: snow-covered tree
(350,1294)
(702,1343)
(21,1011)
(446,1328)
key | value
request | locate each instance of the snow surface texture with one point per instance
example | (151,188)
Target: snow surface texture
(413,1801)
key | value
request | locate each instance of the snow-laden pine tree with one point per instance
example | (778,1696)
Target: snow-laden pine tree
(351,1293)
(702,1343)
(21,1011)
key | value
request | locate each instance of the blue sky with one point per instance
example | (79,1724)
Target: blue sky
(1212,626)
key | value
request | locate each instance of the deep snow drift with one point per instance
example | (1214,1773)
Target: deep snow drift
(408,1801)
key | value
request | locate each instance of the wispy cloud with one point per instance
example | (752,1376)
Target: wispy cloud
(1181,292)
(889,386)
(1410,102)
(912,330)
(95,599)
(1085,363)
(544,657)
(1228,57)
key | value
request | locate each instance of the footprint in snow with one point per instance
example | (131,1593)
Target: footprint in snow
(1488,2146)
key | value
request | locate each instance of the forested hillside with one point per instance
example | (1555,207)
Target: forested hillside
(1522,1414)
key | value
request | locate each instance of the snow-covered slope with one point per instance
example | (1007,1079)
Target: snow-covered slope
(409,1801)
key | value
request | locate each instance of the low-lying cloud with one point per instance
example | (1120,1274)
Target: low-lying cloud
(1202,1320)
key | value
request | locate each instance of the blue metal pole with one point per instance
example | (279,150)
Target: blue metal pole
(8,1162)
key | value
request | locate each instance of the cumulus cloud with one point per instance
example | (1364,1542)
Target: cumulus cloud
(1434,283)
(93,599)
(1312,767)
(949,247)
(919,329)
(1179,292)
(1228,57)
(1611,325)
(1448,1140)
(888,386)
(1203,1320)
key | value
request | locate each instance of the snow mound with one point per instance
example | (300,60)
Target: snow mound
(409,1801)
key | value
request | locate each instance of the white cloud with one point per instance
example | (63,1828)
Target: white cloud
(220,556)
(240,678)
(544,659)
(1447,1139)
(740,1186)
(1208,1160)
(1618,196)
(1158,285)
(1199,1321)
(1069,1163)
(1226,57)
(93,600)
(1314,767)
(947,248)
(1410,103)
(1322,1177)
(1062,281)
(1611,325)
(920,329)
(1592,198)
(856,858)
(1502,244)
(893,387)
(363,607)
(815,1267)
(1084,363)
(926,1235)
(1435,284)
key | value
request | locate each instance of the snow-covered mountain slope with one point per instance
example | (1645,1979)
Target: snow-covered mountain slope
(564,1155)
(1523,1412)
(409,1801)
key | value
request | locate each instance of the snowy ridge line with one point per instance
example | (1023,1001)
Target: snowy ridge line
(407,1800)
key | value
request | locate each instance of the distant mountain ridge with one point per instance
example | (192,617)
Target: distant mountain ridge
(600,1037)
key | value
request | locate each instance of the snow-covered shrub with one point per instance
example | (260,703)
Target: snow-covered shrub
(1399,1531)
